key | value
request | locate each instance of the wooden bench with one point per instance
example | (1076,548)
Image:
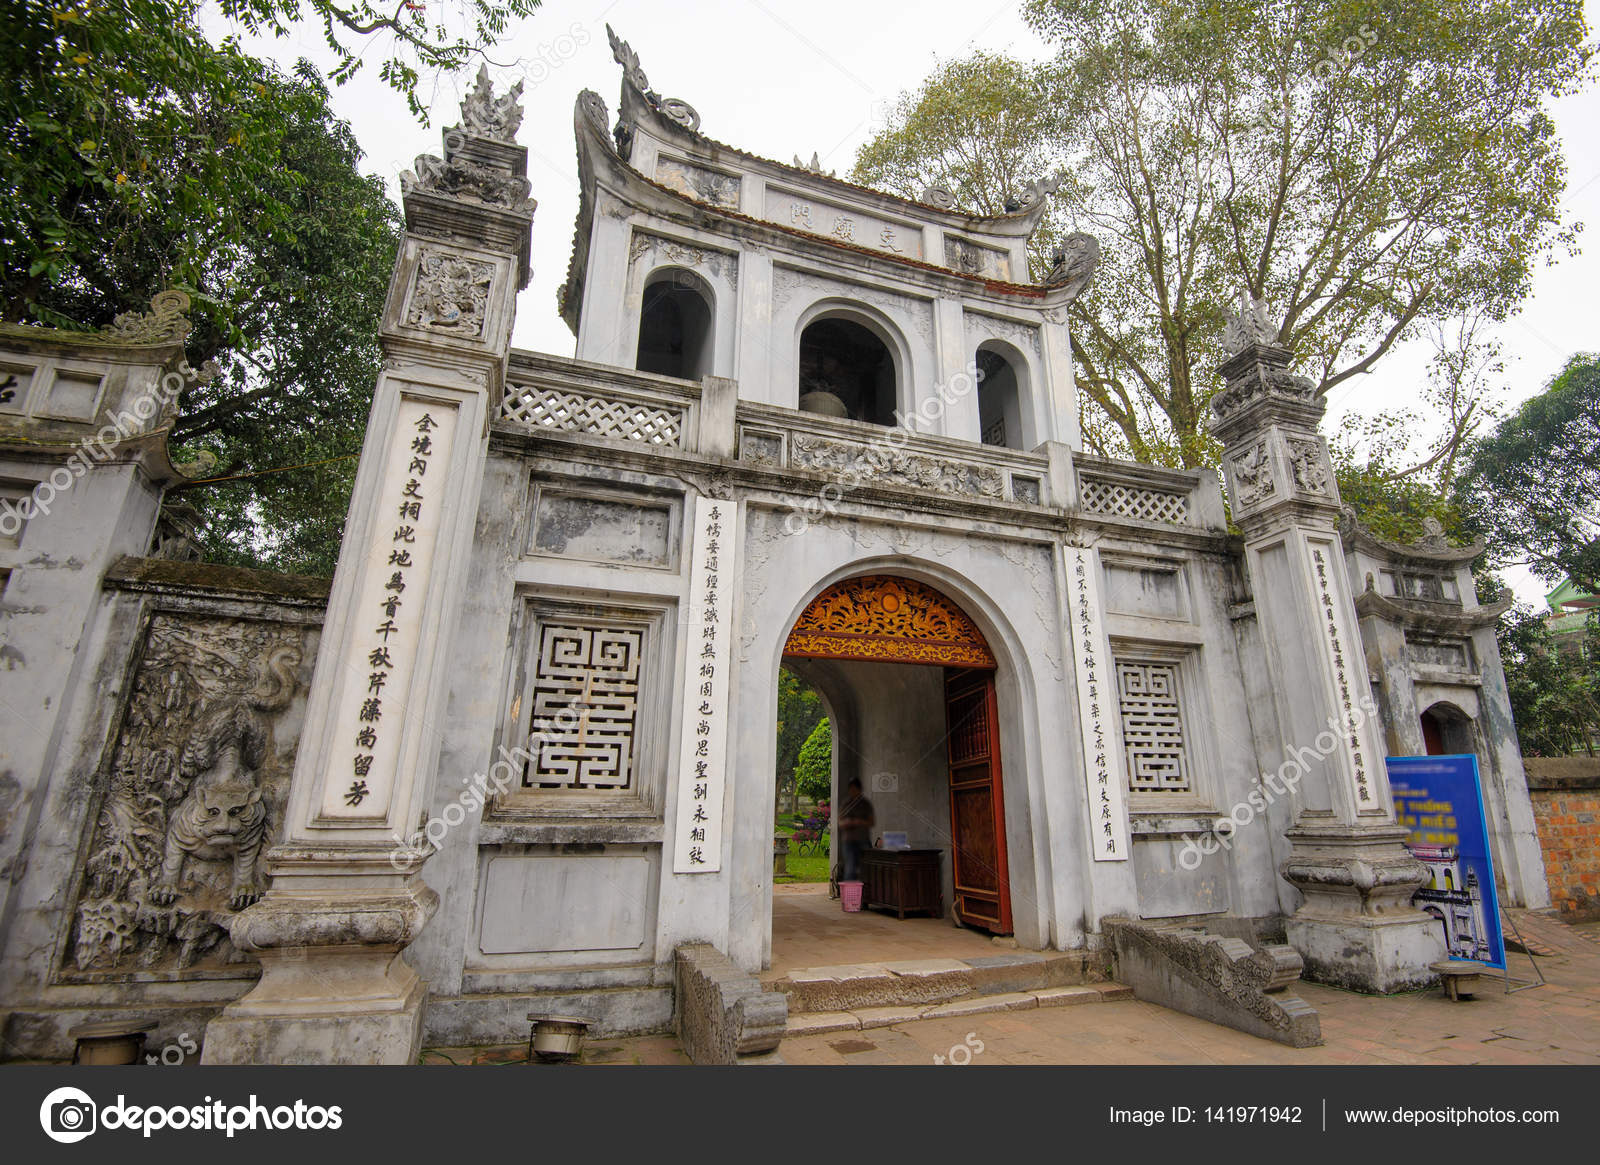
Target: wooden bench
(1459,976)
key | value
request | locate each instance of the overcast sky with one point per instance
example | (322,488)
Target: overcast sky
(780,79)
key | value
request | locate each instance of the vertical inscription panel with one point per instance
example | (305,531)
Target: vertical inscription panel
(375,687)
(703,753)
(1097,696)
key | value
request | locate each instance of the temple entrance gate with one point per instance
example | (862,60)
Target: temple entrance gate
(894,620)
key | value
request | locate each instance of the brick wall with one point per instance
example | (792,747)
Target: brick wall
(1566,807)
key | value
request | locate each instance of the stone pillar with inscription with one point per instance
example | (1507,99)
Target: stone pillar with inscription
(1356,926)
(346,895)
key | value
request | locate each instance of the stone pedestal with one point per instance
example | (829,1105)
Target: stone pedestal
(335,988)
(1356,926)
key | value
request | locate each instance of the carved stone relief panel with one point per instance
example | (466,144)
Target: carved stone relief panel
(698,182)
(194,795)
(972,259)
(1306,463)
(450,295)
(789,284)
(890,466)
(981,327)
(1252,477)
(672,251)
(760,447)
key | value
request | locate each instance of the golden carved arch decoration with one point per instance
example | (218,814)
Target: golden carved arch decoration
(889,619)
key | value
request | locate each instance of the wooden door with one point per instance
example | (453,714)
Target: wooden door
(977,809)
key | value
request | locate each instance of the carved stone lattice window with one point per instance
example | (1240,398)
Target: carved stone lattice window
(585,707)
(1152,726)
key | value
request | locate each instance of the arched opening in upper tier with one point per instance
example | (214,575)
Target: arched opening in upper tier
(847,370)
(1003,417)
(675,325)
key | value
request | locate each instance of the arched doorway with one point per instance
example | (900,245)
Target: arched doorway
(1447,731)
(922,680)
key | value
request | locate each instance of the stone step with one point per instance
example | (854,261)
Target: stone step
(923,983)
(817,1023)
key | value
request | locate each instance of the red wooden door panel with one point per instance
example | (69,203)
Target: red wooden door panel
(977,809)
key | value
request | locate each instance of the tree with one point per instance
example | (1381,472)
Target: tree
(243,189)
(416,42)
(1555,694)
(1532,487)
(1368,170)
(813,773)
(136,155)
(799,710)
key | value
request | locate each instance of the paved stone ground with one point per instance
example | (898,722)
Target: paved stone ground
(1555,1024)
(809,929)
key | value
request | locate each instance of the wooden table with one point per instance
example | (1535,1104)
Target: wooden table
(906,881)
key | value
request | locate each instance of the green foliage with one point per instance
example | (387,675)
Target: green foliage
(141,157)
(1555,693)
(1396,510)
(1532,487)
(814,771)
(416,42)
(799,710)
(1368,169)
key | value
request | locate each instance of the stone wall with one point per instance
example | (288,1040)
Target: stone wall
(1566,805)
(173,788)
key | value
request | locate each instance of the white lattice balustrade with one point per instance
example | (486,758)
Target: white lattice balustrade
(1134,501)
(577,412)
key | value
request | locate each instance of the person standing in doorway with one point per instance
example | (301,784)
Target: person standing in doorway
(855,829)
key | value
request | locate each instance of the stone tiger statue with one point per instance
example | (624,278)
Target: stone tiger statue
(220,820)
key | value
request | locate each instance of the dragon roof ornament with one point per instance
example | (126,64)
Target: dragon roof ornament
(674,109)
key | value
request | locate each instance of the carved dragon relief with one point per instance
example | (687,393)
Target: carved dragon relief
(1305,462)
(1073,266)
(195,792)
(1252,477)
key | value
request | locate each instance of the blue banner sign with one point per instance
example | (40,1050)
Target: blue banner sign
(1439,800)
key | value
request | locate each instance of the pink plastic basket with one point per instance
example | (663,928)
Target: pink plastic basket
(850,897)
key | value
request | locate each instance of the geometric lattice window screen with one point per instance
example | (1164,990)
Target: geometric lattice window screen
(1133,501)
(1152,727)
(585,705)
(576,412)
